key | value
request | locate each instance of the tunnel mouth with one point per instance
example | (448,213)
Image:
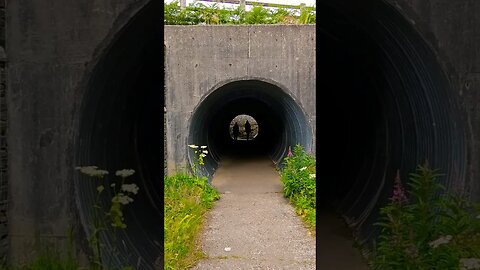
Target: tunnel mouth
(241,121)
(384,104)
(281,118)
(120,127)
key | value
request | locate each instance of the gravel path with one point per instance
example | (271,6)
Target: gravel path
(253,221)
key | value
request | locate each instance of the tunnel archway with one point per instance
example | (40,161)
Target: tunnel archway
(384,103)
(280,116)
(120,127)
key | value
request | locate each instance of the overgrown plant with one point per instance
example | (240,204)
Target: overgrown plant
(111,220)
(186,200)
(427,230)
(198,13)
(299,183)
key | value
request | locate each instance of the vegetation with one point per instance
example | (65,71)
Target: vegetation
(299,183)
(429,231)
(111,220)
(186,199)
(198,13)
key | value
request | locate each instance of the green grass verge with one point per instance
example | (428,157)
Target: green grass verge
(187,199)
(299,184)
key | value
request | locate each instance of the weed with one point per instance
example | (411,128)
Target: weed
(186,201)
(299,183)
(427,231)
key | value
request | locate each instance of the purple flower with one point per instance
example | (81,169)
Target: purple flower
(290,154)
(399,196)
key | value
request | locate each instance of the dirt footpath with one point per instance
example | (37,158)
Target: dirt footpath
(253,226)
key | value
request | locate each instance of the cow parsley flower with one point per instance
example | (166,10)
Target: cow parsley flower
(130,188)
(203,146)
(124,173)
(193,146)
(92,171)
(123,199)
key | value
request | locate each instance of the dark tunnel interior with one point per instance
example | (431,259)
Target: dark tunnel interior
(383,104)
(281,120)
(121,128)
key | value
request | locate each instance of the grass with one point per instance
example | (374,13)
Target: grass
(186,199)
(299,184)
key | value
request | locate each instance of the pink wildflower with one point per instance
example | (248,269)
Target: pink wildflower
(290,154)
(399,196)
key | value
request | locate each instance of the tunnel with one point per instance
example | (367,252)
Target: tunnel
(120,127)
(281,122)
(384,103)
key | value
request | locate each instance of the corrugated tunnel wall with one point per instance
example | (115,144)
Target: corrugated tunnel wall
(384,104)
(394,88)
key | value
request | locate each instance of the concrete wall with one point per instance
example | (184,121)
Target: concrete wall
(201,58)
(51,48)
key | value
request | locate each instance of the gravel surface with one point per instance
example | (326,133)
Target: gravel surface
(252,226)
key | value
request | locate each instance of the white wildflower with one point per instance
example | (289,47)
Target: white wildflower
(193,146)
(205,151)
(123,199)
(112,185)
(303,168)
(203,155)
(124,173)
(312,175)
(92,171)
(440,241)
(469,263)
(203,146)
(130,188)
(100,188)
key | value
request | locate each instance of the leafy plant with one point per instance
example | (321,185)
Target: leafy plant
(198,13)
(431,231)
(299,183)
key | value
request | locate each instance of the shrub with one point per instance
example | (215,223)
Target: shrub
(198,13)
(430,231)
(299,183)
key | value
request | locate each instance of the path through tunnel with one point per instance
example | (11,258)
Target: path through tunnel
(384,104)
(281,122)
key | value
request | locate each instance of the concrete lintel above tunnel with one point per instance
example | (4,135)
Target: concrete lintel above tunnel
(282,55)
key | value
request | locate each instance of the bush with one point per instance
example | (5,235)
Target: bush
(430,231)
(299,183)
(186,201)
(198,13)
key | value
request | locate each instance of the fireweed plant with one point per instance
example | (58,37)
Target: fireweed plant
(112,220)
(299,183)
(425,230)
(186,201)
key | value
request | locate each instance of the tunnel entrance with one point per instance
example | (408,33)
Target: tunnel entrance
(280,117)
(384,103)
(120,127)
